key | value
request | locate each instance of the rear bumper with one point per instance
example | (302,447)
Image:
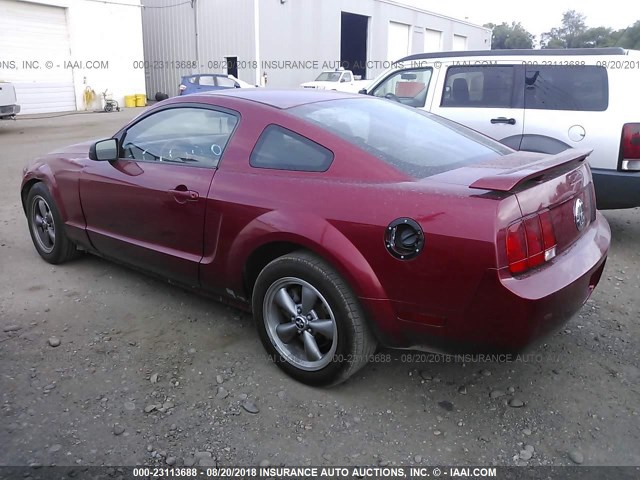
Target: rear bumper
(506,313)
(616,189)
(9,110)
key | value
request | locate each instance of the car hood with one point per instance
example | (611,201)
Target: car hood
(75,150)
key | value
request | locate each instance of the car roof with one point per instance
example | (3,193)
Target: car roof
(282,99)
(205,75)
(551,52)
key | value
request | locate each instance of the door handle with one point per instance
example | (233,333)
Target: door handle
(510,121)
(182,195)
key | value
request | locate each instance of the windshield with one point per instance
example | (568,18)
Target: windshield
(417,143)
(328,77)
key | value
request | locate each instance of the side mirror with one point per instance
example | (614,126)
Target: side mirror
(343,80)
(362,91)
(104,150)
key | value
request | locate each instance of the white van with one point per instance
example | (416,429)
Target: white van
(537,100)
(9,107)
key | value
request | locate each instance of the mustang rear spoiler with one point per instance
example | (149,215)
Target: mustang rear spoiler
(507,180)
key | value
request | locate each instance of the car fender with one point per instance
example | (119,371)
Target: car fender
(42,172)
(313,233)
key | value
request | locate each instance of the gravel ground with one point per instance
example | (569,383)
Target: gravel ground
(102,365)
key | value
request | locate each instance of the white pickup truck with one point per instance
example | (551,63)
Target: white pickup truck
(340,80)
(9,107)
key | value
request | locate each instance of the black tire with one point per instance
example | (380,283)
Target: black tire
(354,343)
(59,249)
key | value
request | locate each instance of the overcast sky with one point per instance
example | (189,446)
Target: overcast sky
(539,16)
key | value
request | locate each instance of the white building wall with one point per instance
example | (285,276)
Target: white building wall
(301,30)
(181,38)
(268,33)
(32,34)
(226,28)
(104,41)
(106,32)
(298,31)
(169,40)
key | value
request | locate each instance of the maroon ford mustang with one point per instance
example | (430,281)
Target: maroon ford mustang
(342,222)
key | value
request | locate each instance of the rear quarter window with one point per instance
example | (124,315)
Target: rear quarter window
(207,80)
(573,87)
(282,149)
(412,141)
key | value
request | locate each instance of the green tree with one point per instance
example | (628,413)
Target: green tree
(505,36)
(628,37)
(596,37)
(569,34)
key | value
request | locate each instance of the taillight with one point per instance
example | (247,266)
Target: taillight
(548,235)
(630,148)
(592,202)
(535,247)
(530,242)
(517,248)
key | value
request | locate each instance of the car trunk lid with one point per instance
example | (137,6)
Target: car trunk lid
(555,195)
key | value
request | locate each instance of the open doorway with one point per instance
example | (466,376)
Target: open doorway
(232,66)
(353,43)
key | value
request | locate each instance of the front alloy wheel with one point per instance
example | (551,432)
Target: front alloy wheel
(46,226)
(43,224)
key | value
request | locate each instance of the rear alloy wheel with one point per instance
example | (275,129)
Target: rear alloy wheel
(309,320)
(46,227)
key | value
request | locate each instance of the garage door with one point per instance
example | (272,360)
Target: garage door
(398,41)
(35,33)
(459,43)
(432,40)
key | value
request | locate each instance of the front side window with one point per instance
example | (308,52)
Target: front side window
(281,149)
(409,87)
(479,87)
(413,141)
(572,87)
(190,136)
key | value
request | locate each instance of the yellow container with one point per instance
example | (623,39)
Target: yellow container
(129,101)
(141,100)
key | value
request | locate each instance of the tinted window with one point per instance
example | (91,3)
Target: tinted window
(283,149)
(579,87)
(415,142)
(191,136)
(408,86)
(347,77)
(490,86)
